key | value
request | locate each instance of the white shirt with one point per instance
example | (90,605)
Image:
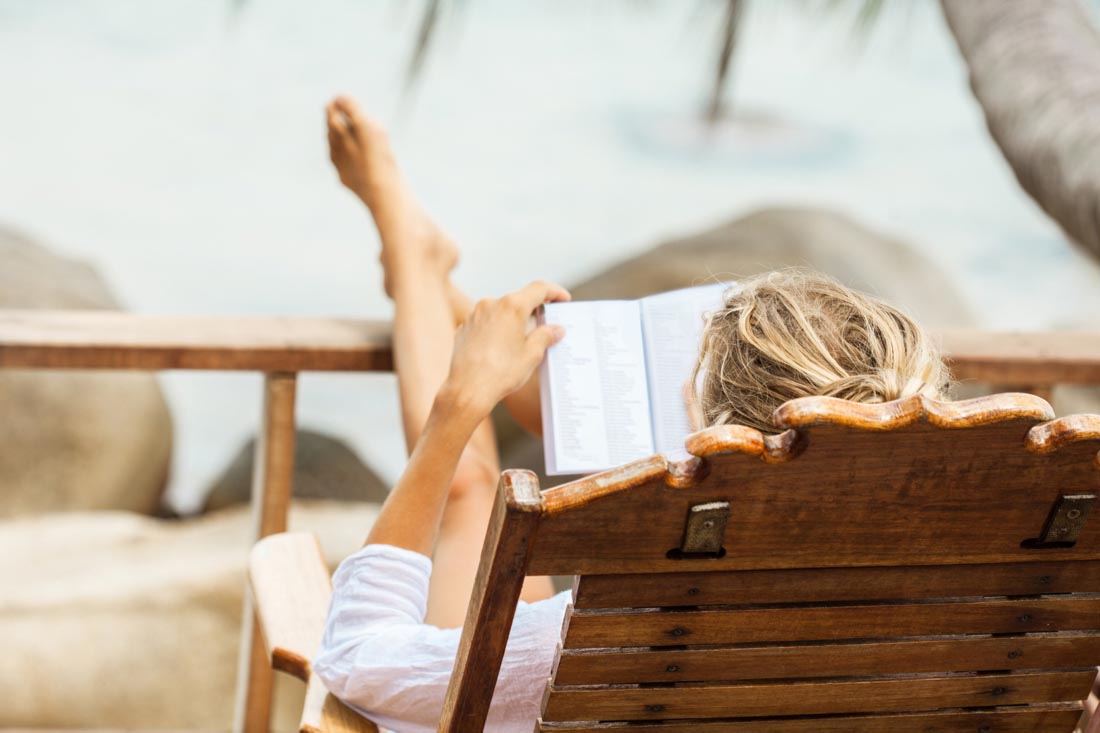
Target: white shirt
(378,655)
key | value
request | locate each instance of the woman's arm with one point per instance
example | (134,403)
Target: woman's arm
(494,355)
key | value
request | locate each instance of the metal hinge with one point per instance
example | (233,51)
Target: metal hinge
(1067,518)
(705,528)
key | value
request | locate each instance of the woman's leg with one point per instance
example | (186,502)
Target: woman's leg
(417,259)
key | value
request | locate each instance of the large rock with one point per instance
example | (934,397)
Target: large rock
(115,620)
(325,467)
(766,240)
(774,238)
(74,440)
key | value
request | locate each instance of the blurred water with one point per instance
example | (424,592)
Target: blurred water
(180,147)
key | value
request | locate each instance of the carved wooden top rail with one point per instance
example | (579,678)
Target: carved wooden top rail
(114,340)
(983,475)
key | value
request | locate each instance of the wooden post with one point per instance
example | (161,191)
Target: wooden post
(272,479)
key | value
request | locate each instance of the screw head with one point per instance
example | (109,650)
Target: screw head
(672,668)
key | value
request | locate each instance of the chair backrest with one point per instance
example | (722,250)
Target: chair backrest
(910,566)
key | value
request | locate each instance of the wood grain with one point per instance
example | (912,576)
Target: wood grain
(1053,357)
(497,587)
(835,584)
(108,339)
(863,541)
(908,483)
(272,487)
(863,659)
(589,629)
(116,340)
(808,412)
(1064,432)
(291,589)
(323,713)
(817,697)
(1048,718)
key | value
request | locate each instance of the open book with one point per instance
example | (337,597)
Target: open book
(613,390)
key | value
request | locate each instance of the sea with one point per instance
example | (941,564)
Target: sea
(179,146)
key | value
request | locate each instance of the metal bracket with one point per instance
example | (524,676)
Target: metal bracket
(705,528)
(1067,518)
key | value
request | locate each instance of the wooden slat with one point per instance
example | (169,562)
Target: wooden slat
(589,629)
(1048,718)
(115,340)
(291,589)
(836,584)
(863,659)
(497,587)
(1024,358)
(811,698)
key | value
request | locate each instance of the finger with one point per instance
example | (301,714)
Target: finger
(542,338)
(532,296)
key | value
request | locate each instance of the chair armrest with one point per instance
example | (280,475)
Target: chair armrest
(291,589)
(324,713)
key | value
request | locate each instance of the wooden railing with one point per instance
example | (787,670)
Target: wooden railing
(277,347)
(282,347)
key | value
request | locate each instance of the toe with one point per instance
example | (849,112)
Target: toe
(359,124)
(349,107)
(340,131)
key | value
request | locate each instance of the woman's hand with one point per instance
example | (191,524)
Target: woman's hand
(494,355)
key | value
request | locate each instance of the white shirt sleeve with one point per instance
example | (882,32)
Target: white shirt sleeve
(380,657)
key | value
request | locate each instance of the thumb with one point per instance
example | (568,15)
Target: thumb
(542,338)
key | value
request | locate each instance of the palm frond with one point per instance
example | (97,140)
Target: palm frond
(730,26)
(424,35)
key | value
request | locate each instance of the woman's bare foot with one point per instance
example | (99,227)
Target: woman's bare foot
(360,150)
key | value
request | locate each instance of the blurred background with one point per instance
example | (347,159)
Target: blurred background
(178,147)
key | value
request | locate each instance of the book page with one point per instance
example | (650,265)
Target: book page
(596,412)
(672,324)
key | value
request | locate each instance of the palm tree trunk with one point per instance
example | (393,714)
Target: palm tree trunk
(1035,69)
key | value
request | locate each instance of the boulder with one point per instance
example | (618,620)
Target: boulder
(764,240)
(74,440)
(774,238)
(116,620)
(325,467)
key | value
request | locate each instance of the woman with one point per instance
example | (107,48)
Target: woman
(394,624)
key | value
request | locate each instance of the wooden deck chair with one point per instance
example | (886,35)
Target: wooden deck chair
(911,566)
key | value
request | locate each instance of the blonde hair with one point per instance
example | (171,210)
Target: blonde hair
(795,333)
